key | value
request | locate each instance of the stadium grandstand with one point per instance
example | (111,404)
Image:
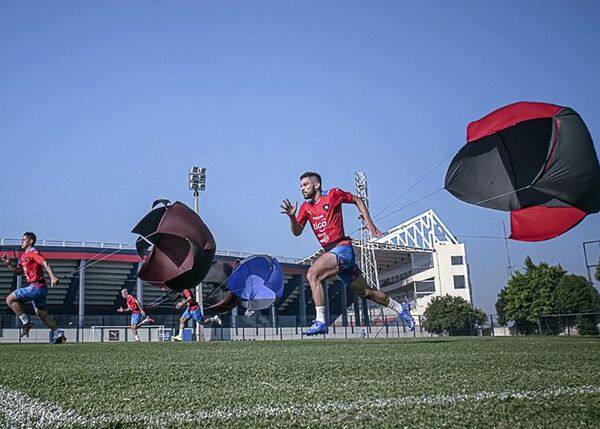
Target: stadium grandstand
(415,261)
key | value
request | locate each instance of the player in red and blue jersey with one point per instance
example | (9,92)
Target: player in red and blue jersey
(137,312)
(31,265)
(192,311)
(323,211)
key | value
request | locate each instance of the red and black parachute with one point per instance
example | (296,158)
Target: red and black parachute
(176,246)
(535,160)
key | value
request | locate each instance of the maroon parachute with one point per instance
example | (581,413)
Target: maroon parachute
(535,160)
(176,246)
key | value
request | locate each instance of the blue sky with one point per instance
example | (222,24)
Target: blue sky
(106,105)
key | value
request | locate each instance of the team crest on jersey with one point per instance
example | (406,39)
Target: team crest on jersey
(326,207)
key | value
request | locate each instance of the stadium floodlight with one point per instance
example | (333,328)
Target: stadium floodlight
(197,183)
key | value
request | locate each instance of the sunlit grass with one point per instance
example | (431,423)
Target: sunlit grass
(238,377)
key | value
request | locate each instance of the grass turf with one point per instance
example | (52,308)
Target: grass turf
(315,383)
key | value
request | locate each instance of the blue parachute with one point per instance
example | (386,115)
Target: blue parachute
(257,282)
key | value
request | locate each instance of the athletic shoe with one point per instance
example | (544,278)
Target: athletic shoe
(26,328)
(148,319)
(406,317)
(317,328)
(59,338)
(177,337)
(217,319)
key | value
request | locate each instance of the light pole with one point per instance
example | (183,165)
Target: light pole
(197,183)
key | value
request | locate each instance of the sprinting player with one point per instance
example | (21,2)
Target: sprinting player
(137,312)
(323,210)
(30,265)
(192,311)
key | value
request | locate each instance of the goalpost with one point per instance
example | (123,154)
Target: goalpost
(121,333)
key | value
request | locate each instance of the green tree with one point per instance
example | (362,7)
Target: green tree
(452,315)
(528,294)
(575,294)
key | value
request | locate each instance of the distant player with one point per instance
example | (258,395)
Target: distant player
(30,265)
(323,210)
(137,312)
(192,311)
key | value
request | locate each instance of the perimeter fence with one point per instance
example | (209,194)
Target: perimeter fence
(107,328)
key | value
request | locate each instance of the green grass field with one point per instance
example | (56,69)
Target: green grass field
(457,382)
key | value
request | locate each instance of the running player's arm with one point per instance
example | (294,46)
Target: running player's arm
(143,313)
(18,269)
(48,268)
(183,302)
(289,209)
(364,212)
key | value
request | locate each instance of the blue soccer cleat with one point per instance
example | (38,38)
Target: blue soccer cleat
(406,317)
(317,328)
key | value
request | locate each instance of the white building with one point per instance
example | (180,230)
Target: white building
(420,259)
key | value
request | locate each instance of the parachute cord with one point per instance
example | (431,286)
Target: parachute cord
(401,208)
(162,299)
(503,195)
(217,288)
(95,261)
(410,204)
(412,186)
(481,236)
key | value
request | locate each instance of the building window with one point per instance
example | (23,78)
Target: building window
(459,282)
(421,261)
(424,288)
(457,260)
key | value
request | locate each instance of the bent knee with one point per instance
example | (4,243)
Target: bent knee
(312,276)
(11,298)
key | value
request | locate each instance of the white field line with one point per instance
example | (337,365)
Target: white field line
(21,411)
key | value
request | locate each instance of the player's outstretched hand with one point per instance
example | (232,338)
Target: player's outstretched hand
(375,232)
(5,259)
(288,208)
(120,310)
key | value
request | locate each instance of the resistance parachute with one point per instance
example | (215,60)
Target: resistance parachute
(176,247)
(535,160)
(255,284)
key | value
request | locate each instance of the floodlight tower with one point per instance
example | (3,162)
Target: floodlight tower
(197,183)
(368,263)
(367,249)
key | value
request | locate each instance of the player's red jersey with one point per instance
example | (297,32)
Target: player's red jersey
(325,217)
(31,262)
(133,305)
(192,303)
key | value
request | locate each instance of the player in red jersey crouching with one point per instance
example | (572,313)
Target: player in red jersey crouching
(323,210)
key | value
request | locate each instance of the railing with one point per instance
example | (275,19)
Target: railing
(128,246)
